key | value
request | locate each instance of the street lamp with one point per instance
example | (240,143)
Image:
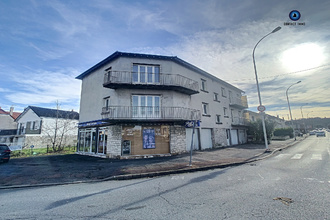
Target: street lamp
(307,117)
(308,113)
(261,108)
(302,116)
(287,97)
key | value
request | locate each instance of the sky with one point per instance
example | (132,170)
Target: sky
(44,45)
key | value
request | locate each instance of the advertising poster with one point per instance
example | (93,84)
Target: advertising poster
(149,138)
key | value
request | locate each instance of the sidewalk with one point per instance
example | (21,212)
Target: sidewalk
(70,169)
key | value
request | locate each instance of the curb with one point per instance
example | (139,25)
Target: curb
(161,173)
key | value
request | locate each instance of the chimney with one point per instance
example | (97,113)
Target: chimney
(11,111)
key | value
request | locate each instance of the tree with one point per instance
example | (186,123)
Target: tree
(59,128)
(256,130)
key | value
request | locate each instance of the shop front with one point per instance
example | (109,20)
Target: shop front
(145,140)
(93,140)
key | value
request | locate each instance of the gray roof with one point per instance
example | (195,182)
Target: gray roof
(52,113)
(175,59)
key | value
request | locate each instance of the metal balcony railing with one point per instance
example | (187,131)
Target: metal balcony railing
(239,121)
(239,102)
(150,113)
(116,79)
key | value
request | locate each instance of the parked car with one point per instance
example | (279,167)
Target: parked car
(320,134)
(4,153)
(312,133)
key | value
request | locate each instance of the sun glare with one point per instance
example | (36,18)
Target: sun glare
(302,57)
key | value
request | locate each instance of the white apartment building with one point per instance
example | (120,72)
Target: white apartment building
(144,105)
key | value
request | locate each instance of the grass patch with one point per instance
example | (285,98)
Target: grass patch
(41,152)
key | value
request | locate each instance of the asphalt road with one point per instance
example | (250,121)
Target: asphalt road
(298,178)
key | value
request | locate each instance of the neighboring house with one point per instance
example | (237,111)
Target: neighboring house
(7,119)
(8,125)
(251,116)
(141,104)
(36,125)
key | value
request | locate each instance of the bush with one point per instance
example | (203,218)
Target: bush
(255,130)
(284,132)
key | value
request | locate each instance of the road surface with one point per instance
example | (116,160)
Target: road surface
(292,184)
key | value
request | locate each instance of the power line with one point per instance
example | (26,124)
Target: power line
(278,75)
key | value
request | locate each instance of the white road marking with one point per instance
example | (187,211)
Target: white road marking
(177,177)
(297,157)
(317,157)
(314,180)
(281,155)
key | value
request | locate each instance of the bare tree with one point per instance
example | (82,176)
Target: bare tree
(59,129)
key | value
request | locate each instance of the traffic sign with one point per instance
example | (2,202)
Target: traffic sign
(261,108)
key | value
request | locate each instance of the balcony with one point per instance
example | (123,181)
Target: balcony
(129,80)
(240,103)
(239,121)
(143,113)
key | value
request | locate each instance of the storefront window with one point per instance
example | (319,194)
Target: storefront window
(87,140)
(102,144)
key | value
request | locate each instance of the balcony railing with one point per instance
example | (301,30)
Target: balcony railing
(152,113)
(122,79)
(239,121)
(239,102)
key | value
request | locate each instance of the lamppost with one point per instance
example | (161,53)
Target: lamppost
(261,108)
(307,117)
(287,97)
(302,116)
(308,113)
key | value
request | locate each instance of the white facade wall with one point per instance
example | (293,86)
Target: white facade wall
(93,93)
(29,116)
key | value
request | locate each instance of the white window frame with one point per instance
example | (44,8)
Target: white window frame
(106,102)
(205,108)
(144,77)
(203,85)
(218,119)
(223,92)
(216,97)
(145,108)
(225,112)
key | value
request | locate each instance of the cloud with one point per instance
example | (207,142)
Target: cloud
(45,87)
(50,54)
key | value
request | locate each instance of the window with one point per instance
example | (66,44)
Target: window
(218,119)
(230,97)
(223,92)
(108,74)
(87,140)
(37,125)
(232,114)
(145,73)
(205,108)
(203,85)
(106,103)
(216,97)
(145,106)
(225,113)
